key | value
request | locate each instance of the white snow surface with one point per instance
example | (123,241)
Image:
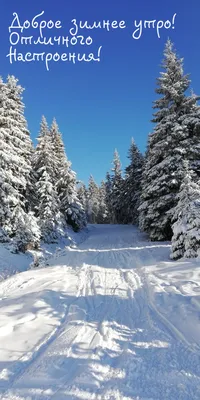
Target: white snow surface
(111,318)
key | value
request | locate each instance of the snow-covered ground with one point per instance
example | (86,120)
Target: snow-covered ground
(12,263)
(111,318)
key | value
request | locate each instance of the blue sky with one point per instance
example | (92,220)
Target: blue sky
(100,106)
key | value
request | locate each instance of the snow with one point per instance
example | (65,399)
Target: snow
(109,318)
(10,263)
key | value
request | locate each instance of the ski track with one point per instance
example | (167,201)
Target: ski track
(111,326)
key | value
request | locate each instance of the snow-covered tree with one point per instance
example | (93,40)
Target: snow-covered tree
(48,207)
(66,184)
(186,228)
(58,149)
(6,159)
(176,135)
(102,217)
(108,195)
(117,185)
(132,185)
(70,206)
(28,233)
(31,192)
(15,157)
(82,195)
(93,201)
(44,153)
(3,236)
(50,219)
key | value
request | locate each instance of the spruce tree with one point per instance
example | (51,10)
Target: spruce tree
(176,134)
(70,206)
(82,195)
(7,158)
(93,201)
(50,218)
(66,183)
(58,150)
(117,185)
(102,217)
(48,207)
(15,158)
(108,196)
(44,152)
(132,185)
(31,192)
(28,233)
(186,228)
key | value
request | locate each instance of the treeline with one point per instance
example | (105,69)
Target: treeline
(160,192)
(116,200)
(38,191)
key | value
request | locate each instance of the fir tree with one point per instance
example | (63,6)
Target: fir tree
(132,185)
(28,233)
(186,228)
(176,134)
(102,217)
(70,206)
(117,184)
(31,192)
(83,195)
(108,195)
(50,218)
(4,236)
(93,201)
(48,207)
(43,157)
(66,184)
(58,150)
(7,159)
(15,157)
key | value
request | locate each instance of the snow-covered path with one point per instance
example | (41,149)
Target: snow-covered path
(111,319)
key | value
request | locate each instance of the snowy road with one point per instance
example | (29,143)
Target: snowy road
(111,319)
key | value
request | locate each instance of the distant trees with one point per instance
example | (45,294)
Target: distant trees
(94,200)
(116,200)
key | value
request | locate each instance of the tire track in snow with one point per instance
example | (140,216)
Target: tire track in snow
(92,326)
(171,328)
(86,289)
(28,361)
(194,348)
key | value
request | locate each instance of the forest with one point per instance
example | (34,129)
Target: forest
(40,195)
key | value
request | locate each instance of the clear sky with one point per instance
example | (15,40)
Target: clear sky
(99,106)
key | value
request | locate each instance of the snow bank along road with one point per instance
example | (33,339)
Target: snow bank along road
(110,319)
